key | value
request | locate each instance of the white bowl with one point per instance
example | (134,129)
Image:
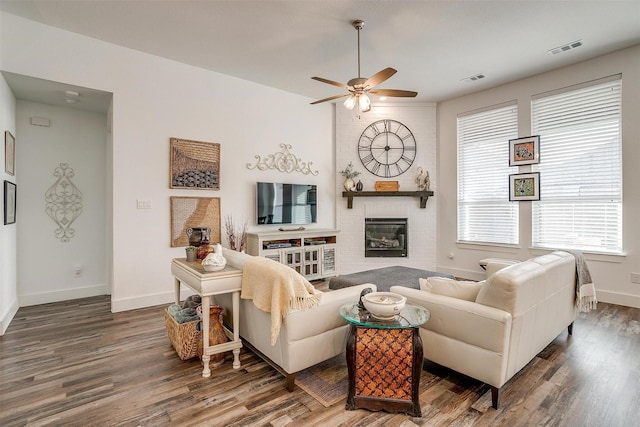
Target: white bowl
(384,305)
(214,261)
(211,267)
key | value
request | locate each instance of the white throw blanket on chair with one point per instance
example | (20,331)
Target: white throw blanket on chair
(276,289)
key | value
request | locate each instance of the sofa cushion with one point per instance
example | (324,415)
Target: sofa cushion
(520,286)
(461,289)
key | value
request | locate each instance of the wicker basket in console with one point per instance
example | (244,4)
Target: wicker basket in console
(184,337)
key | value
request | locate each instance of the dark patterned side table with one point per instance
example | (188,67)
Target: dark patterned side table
(384,360)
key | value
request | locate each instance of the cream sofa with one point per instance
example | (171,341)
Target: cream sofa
(307,337)
(518,311)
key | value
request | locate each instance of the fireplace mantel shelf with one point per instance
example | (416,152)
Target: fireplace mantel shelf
(424,195)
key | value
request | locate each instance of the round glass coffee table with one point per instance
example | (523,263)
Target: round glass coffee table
(384,359)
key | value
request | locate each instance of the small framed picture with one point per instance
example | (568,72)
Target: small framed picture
(524,186)
(9,153)
(9,202)
(524,151)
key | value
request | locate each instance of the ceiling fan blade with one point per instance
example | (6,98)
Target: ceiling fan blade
(331,82)
(394,92)
(330,98)
(379,77)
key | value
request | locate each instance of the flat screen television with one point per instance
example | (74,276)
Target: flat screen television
(278,203)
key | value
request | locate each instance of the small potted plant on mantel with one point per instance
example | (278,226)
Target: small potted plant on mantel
(191,253)
(349,174)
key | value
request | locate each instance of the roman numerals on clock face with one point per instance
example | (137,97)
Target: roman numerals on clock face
(387,148)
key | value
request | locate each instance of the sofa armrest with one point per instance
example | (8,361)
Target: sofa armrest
(466,321)
(495,264)
(234,258)
(325,316)
(345,295)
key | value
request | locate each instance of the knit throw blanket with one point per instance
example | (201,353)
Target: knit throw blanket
(276,289)
(585,290)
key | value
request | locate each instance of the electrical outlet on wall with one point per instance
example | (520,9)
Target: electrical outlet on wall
(144,204)
(635,278)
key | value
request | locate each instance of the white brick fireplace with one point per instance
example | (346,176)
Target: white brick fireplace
(421,120)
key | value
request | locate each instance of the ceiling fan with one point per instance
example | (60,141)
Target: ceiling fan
(360,87)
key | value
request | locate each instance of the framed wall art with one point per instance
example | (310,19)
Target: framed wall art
(191,212)
(194,165)
(524,151)
(9,202)
(9,153)
(524,186)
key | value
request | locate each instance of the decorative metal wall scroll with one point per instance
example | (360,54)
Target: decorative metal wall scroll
(64,202)
(284,161)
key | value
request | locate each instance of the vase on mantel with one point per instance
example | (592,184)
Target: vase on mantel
(359,186)
(349,185)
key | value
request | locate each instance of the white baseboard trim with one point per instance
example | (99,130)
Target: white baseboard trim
(6,320)
(618,298)
(118,305)
(62,295)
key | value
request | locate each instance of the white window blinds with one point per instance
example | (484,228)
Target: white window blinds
(485,214)
(580,169)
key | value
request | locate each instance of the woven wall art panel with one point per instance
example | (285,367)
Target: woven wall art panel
(193,212)
(194,165)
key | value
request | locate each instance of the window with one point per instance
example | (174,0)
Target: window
(580,168)
(485,214)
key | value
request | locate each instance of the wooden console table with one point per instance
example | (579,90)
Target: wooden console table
(424,195)
(206,284)
(384,360)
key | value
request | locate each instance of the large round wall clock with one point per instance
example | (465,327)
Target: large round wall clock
(387,148)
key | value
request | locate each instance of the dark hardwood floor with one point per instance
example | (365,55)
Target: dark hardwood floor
(75,363)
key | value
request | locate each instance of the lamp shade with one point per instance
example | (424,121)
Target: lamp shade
(350,102)
(364,103)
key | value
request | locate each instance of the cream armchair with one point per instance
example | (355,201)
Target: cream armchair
(518,311)
(307,337)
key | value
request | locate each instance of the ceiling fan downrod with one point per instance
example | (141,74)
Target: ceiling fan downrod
(358,24)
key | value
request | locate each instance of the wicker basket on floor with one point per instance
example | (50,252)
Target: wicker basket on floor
(184,337)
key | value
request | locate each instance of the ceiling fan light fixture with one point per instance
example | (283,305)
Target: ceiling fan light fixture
(359,87)
(350,102)
(364,103)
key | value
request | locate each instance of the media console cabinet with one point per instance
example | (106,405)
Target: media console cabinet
(311,253)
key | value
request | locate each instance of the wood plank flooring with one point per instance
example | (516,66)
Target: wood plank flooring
(75,363)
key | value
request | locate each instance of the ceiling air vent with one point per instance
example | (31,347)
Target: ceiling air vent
(566,47)
(474,78)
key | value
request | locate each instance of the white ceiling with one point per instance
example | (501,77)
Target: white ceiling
(283,43)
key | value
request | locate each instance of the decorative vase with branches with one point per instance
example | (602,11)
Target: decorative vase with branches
(349,184)
(236,234)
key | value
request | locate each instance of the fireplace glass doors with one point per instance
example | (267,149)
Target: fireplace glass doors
(385,237)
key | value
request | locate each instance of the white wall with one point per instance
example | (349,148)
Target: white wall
(421,120)
(77,138)
(155,99)
(8,276)
(611,274)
